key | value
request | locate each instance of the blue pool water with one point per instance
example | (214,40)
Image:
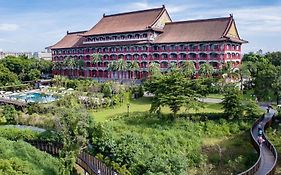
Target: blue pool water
(35,97)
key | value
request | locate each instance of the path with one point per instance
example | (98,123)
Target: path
(267,157)
(12,102)
(266,163)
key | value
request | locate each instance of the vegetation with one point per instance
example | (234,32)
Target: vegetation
(17,69)
(147,144)
(72,126)
(21,158)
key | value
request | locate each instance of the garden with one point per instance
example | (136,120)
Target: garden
(171,132)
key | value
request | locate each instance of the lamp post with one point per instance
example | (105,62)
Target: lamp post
(128,109)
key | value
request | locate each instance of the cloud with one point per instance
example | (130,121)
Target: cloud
(8,27)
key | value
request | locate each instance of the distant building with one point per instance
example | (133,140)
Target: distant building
(259,52)
(16,54)
(45,55)
(147,36)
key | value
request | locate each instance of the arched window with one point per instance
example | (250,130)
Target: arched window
(173,56)
(164,55)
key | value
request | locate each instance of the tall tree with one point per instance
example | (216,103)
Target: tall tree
(188,69)
(113,67)
(172,90)
(96,59)
(206,70)
(154,69)
(135,67)
(232,102)
(122,66)
(72,126)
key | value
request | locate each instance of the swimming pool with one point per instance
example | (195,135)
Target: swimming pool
(35,97)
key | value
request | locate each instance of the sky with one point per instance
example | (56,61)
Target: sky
(32,25)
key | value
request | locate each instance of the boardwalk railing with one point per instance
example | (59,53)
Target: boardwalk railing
(89,163)
(256,166)
(12,102)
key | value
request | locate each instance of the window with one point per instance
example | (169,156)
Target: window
(164,56)
(144,56)
(173,56)
(163,47)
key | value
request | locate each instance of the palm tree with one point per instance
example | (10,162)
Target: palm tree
(154,68)
(96,58)
(172,67)
(188,68)
(206,70)
(112,66)
(57,66)
(134,68)
(79,64)
(229,72)
(122,66)
(243,72)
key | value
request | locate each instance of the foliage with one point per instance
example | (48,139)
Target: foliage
(72,127)
(106,90)
(26,69)
(15,134)
(173,90)
(21,158)
(10,114)
(232,103)
(7,77)
(206,70)
(147,144)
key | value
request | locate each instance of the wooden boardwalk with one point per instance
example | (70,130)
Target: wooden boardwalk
(267,160)
(13,102)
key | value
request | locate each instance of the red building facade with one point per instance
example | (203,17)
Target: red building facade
(145,37)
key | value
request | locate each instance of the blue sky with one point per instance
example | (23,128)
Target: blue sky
(32,25)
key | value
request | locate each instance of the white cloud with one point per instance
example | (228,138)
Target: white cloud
(8,27)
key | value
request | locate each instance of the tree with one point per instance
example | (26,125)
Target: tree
(112,66)
(232,102)
(79,65)
(172,67)
(154,69)
(264,80)
(122,66)
(10,114)
(96,58)
(172,90)
(188,69)
(274,58)
(206,70)
(7,77)
(33,74)
(134,68)
(72,126)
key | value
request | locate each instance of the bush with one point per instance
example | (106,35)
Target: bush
(10,114)
(15,134)
(21,158)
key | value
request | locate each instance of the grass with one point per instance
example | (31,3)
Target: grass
(216,96)
(18,157)
(143,105)
(228,154)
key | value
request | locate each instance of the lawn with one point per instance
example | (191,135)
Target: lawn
(143,105)
(216,96)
